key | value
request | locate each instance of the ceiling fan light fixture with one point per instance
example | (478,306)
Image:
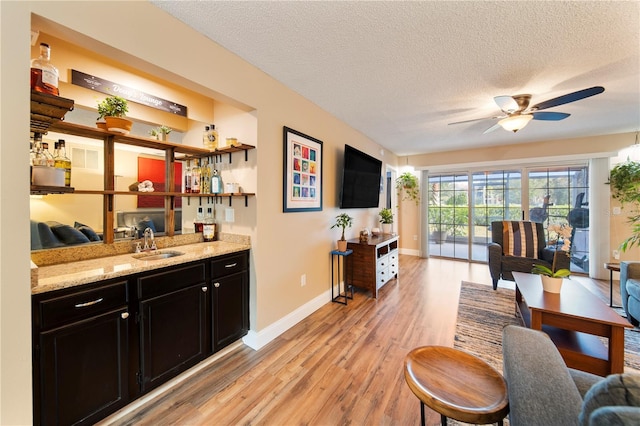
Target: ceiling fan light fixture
(514,123)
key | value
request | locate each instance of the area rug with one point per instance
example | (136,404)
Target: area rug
(483,313)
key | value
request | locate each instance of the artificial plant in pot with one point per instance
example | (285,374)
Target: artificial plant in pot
(343,221)
(407,186)
(161,133)
(624,179)
(552,277)
(386,219)
(113,110)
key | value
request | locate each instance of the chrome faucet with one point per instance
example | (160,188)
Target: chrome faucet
(148,233)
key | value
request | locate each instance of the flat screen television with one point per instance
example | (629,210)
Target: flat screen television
(361,178)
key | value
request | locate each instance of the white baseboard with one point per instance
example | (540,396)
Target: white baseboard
(410,252)
(258,339)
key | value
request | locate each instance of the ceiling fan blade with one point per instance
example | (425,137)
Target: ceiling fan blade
(507,104)
(491,129)
(570,97)
(550,116)
(475,119)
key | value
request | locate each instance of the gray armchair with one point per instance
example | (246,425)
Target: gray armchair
(501,266)
(630,290)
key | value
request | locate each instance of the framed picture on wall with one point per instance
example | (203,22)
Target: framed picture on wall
(302,175)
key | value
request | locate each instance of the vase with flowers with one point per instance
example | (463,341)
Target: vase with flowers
(552,277)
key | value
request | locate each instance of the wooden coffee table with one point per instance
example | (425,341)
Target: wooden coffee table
(456,384)
(574,318)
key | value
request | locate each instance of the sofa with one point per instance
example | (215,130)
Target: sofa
(630,290)
(544,391)
(52,234)
(502,264)
(146,218)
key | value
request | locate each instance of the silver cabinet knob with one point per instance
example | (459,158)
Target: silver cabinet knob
(205,289)
(216,285)
(124,315)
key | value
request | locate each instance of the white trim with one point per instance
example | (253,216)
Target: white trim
(410,252)
(258,339)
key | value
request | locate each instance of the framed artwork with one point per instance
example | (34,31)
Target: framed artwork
(302,191)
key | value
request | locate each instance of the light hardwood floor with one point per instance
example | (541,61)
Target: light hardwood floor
(343,365)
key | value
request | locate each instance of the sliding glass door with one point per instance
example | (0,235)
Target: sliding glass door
(462,206)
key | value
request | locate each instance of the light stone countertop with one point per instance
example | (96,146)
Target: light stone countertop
(72,274)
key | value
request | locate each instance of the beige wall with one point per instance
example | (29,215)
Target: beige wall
(285,246)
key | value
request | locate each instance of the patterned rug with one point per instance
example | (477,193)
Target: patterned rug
(483,313)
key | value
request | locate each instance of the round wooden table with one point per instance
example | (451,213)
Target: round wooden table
(457,385)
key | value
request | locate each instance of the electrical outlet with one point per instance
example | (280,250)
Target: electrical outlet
(303,280)
(415,238)
(616,254)
(617,210)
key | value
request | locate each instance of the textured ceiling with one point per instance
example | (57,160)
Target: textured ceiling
(399,72)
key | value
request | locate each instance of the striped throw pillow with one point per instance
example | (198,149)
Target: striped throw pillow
(519,239)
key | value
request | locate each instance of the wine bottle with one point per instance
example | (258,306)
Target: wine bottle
(63,162)
(209,227)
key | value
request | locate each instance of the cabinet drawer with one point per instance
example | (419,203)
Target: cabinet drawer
(382,263)
(228,265)
(393,256)
(382,277)
(82,304)
(174,279)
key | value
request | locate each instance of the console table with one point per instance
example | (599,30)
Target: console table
(374,262)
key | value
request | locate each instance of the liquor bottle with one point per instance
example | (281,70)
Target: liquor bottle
(39,158)
(63,162)
(216,182)
(44,76)
(213,137)
(198,223)
(205,178)
(187,178)
(47,154)
(209,227)
(205,137)
(195,178)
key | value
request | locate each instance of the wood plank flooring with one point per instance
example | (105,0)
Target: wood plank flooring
(343,365)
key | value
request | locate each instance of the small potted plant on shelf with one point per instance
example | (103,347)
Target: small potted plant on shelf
(386,219)
(408,182)
(161,133)
(343,221)
(113,110)
(552,277)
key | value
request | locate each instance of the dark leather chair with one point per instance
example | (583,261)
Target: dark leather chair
(501,266)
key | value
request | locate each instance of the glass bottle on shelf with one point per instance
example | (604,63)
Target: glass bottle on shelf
(195,178)
(63,162)
(216,182)
(44,76)
(205,178)
(213,137)
(39,159)
(205,137)
(187,178)
(198,223)
(47,154)
(209,227)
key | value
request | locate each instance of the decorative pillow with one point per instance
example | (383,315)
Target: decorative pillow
(87,231)
(67,234)
(615,390)
(47,238)
(519,239)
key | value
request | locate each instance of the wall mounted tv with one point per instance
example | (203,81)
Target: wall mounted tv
(361,178)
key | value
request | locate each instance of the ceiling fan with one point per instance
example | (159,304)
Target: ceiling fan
(518,113)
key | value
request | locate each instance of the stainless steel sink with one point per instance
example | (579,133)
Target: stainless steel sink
(157,255)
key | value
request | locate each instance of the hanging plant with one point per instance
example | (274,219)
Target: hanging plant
(624,179)
(408,186)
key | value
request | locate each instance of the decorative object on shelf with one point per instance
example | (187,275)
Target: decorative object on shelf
(343,221)
(375,232)
(552,278)
(113,110)
(386,219)
(302,175)
(408,183)
(624,179)
(364,235)
(161,133)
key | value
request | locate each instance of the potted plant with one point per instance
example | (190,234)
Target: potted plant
(161,133)
(552,277)
(386,219)
(113,110)
(343,221)
(408,183)
(624,179)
